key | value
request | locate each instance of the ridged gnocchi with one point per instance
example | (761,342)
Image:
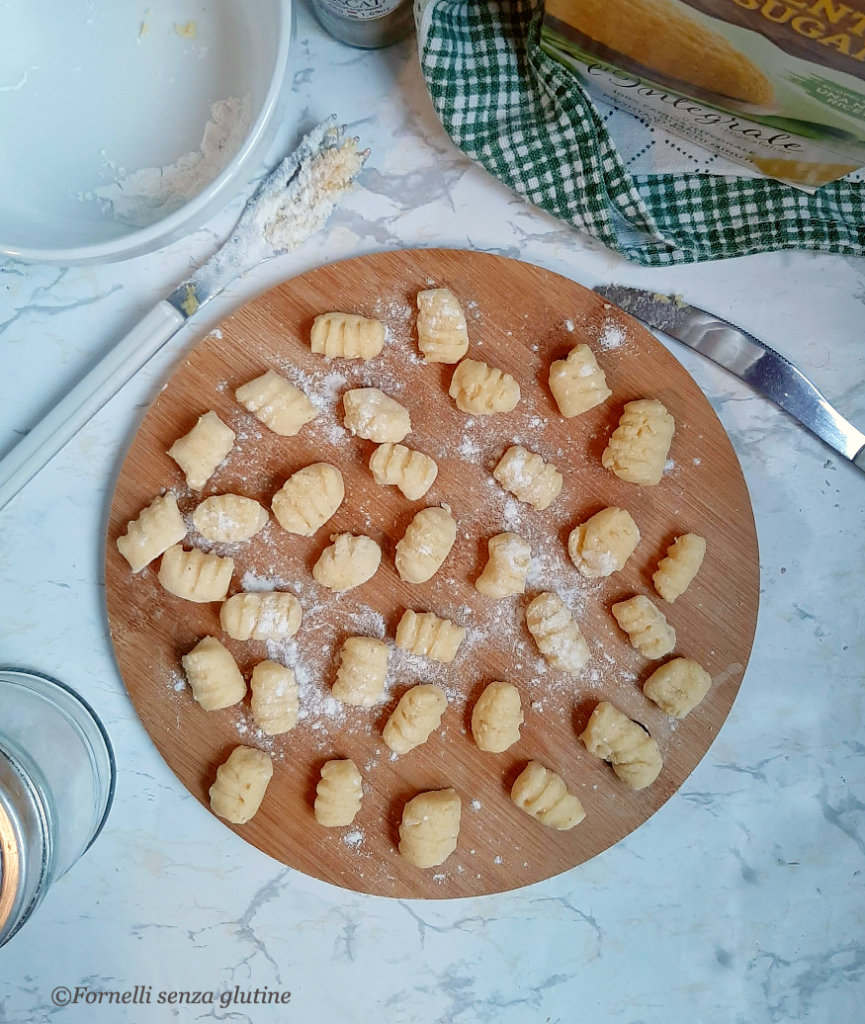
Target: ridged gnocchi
(632,752)
(528,477)
(362,671)
(543,794)
(507,568)
(603,544)
(676,571)
(272,615)
(229,518)
(678,687)
(194,575)
(346,336)
(638,447)
(374,416)
(556,633)
(241,784)
(577,382)
(430,828)
(427,542)
(213,675)
(275,703)
(417,715)
(200,452)
(309,498)
(395,465)
(482,390)
(347,563)
(442,335)
(277,403)
(497,717)
(157,528)
(646,626)
(428,636)
(338,794)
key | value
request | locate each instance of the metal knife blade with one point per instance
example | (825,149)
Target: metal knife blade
(764,369)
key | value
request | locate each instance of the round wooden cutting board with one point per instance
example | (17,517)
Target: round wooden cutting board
(520,319)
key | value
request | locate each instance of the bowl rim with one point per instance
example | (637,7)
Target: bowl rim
(168,229)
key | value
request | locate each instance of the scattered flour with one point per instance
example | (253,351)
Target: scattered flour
(612,336)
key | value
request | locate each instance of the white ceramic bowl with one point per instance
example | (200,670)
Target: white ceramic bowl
(92,91)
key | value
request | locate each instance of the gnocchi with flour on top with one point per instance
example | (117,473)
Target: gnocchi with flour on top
(483,390)
(372,415)
(346,336)
(229,518)
(528,477)
(577,382)
(200,452)
(362,671)
(497,717)
(241,784)
(213,675)
(277,403)
(157,528)
(417,715)
(508,567)
(338,794)
(395,465)
(347,563)
(428,636)
(603,544)
(430,828)
(272,615)
(557,635)
(275,703)
(442,335)
(308,498)
(427,543)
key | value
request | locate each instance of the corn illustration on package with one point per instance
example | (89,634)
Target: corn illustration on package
(775,85)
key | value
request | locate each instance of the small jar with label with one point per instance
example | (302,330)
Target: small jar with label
(368,24)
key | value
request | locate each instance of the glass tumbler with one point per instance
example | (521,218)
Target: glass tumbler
(57,777)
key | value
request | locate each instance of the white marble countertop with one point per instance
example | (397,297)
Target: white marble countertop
(741,901)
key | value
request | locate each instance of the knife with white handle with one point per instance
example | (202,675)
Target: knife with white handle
(766,370)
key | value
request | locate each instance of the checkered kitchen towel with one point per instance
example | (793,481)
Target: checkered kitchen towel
(516,111)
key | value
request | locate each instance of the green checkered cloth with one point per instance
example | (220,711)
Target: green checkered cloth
(516,111)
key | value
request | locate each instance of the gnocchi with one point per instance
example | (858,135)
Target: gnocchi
(646,626)
(427,542)
(241,784)
(678,687)
(603,544)
(213,675)
(442,335)
(277,403)
(228,518)
(194,575)
(528,477)
(507,568)
(309,498)
(497,717)
(417,715)
(677,570)
(638,447)
(157,528)
(347,563)
(577,382)
(395,465)
(362,671)
(556,633)
(430,828)
(200,452)
(372,415)
(428,636)
(338,794)
(275,704)
(346,336)
(543,794)
(632,752)
(273,615)
(482,390)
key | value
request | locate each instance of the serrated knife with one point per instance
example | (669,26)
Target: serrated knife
(764,369)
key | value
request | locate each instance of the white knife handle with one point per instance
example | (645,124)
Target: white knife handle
(86,399)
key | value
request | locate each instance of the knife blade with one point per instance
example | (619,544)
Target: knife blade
(748,358)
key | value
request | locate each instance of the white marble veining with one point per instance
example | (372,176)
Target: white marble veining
(739,903)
